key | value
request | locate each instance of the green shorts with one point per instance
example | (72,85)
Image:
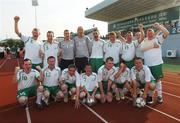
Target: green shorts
(142,85)
(129,64)
(157,71)
(96,63)
(53,89)
(70,86)
(120,85)
(105,87)
(28,92)
(35,65)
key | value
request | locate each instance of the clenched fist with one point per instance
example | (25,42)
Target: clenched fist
(16,18)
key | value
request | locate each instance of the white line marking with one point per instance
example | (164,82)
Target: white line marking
(170,83)
(101,118)
(3,63)
(163,113)
(171,94)
(28,115)
(177,119)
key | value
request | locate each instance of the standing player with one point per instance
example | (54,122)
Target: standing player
(50,48)
(32,44)
(89,83)
(112,48)
(142,79)
(96,58)
(70,83)
(28,84)
(105,74)
(83,49)
(51,78)
(121,80)
(153,55)
(67,51)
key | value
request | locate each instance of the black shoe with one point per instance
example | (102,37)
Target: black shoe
(44,103)
(159,99)
(149,100)
(39,106)
(24,106)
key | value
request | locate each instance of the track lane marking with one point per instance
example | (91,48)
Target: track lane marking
(28,115)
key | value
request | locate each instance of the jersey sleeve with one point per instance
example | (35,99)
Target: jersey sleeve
(62,77)
(100,75)
(78,81)
(25,38)
(128,78)
(18,75)
(160,39)
(133,76)
(147,74)
(37,74)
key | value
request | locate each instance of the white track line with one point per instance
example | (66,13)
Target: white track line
(170,116)
(171,94)
(170,83)
(28,115)
(96,114)
(3,63)
(177,119)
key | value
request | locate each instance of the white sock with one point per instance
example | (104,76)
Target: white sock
(159,88)
(39,97)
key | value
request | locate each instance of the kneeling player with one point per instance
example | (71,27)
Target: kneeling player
(70,82)
(89,84)
(142,78)
(51,77)
(104,79)
(121,81)
(27,84)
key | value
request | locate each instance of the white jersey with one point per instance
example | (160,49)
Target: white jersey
(32,48)
(75,79)
(128,51)
(51,77)
(89,82)
(50,50)
(139,53)
(142,76)
(112,50)
(104,74)
(97,49)
(125,76)
(27,80)
(153,57)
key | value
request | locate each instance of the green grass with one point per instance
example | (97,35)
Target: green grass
(171,67)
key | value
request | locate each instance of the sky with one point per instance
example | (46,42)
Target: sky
(55,15)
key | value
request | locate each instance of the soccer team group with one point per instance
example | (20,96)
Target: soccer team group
(81,68)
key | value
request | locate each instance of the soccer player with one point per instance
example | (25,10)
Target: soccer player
(112,48)
(105,74)
(32,44)
(83,49)
(96,58)
(142,79)
(153,55)
(50,48)
(67,51)
(51,80)
(70,83)
(89,84)
(29,84)
(122,81)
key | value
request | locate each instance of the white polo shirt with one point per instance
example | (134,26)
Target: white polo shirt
(50,49)
(27,80)
(75,79)
(104,74)
(125,76)
(143,76)
(153,57)
(89,82)
(51,77)
(128,51)
(112,50)
(32,48)
(97,49)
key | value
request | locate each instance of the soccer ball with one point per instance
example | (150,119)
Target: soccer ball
(90,101)
(140,102)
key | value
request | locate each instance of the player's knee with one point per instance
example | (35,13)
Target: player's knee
(40,88)
(22,100)
(98,96)
(46,93)
(64,87)
(82,95)
(73,90)
(152,86)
